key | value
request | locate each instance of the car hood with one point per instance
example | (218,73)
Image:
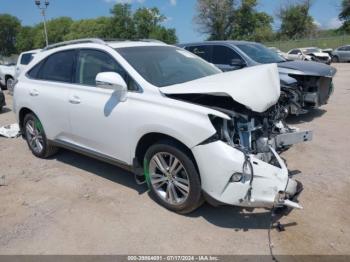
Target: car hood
(319,54)
(257,88)
(306,68)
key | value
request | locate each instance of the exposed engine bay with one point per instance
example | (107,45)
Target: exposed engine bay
(247,130)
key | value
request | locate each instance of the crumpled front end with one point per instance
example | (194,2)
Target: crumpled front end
(239,165)
(229,176)
(305,85)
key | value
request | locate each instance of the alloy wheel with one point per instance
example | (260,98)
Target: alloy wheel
(169,178)
(34,136)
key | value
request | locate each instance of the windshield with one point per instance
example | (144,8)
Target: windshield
(166,65)
(260,53)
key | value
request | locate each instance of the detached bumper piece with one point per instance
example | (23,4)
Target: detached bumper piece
(288,139)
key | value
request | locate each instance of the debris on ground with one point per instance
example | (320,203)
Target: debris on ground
(10,131)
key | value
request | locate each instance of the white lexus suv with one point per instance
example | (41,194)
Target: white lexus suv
(191,131)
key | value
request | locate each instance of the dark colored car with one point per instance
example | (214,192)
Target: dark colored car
(304,84)
(2,100)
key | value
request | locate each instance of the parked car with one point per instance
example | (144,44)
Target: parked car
(304,85)
(10,72)
(24,59)
(7,75)
(341,54)
(309,54)
(175,120)
(2,100)
(279,52)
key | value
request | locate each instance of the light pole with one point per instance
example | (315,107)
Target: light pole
(43,8)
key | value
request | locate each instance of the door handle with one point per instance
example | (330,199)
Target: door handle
(33,92)
(74,100)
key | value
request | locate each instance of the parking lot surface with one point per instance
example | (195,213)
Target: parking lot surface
(72,204)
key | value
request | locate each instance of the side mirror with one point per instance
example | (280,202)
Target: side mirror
(238,62)
(113,81)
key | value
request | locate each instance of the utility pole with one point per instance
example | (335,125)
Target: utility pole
(42,8)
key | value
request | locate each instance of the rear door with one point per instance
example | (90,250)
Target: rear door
(98,118)
(48,89)
(203,51)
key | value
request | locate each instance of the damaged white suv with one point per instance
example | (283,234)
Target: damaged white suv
(167,115)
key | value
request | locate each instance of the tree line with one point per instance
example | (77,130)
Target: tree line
(122,24)
(217,19)
(240,20)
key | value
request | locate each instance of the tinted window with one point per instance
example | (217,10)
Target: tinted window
(166,65)
(26,58)
(91,62)
(58,67)
(295,52)
(347,48)
(33,73)
(224,55)
(204,51)
(260,53)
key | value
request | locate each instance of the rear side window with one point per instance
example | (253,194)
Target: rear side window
(33,73)
(223,55)
(26,58)
(295,52)
(203,51)
(58,67)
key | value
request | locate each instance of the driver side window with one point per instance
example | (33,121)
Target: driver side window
(92,62)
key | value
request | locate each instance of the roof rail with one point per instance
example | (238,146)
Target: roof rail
(77,41)
(125,39)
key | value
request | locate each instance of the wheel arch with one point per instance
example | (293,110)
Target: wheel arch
(152,138)
(21,115)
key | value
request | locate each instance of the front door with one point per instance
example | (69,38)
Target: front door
(98,118)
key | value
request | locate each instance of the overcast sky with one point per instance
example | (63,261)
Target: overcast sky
(179,12)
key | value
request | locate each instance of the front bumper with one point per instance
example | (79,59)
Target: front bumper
(217,163)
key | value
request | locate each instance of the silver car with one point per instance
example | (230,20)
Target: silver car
(341,54)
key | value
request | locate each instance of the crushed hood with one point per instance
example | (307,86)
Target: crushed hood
(319,54)
(257,88)
(307,68)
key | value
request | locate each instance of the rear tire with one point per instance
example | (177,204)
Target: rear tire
(9,83)
(36,138)
(172,177)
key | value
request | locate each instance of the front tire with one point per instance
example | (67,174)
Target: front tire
(172,177)
(36,138)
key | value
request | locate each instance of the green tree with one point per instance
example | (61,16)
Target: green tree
(251,24)
(57,29)
(89,28)
(122,24)
(163,34)
(9,28)
(345,16)
(233,19)
(25,39)
(215,18)
(146,20)
(296,22)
